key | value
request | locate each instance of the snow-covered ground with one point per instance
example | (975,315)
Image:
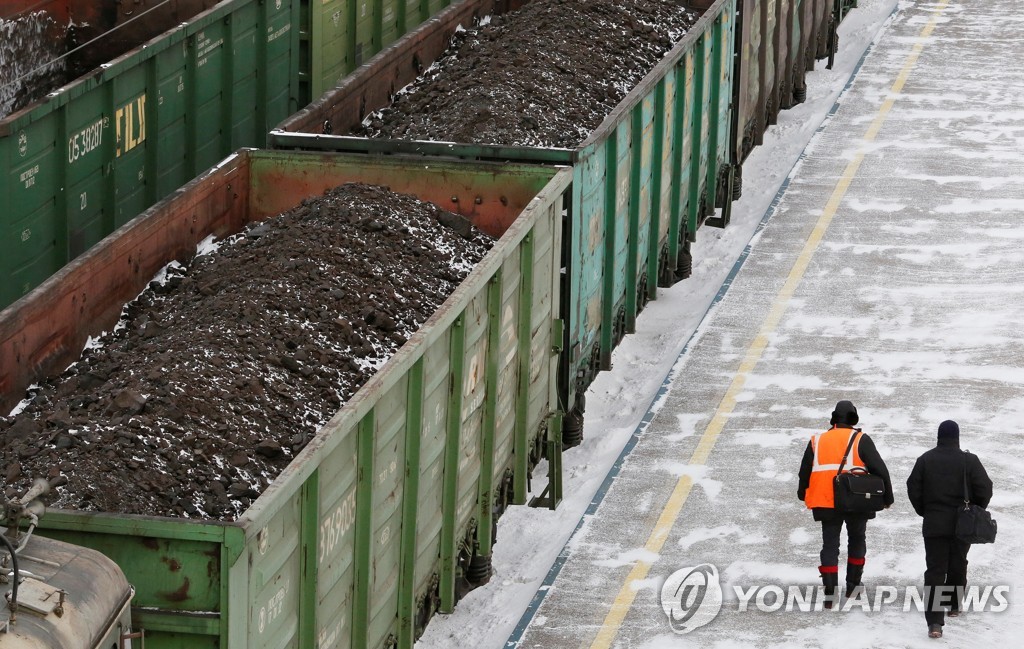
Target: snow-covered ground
(530,540)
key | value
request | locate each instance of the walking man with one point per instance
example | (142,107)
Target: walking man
(819,467)
(936,490)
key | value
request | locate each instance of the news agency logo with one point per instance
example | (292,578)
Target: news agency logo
(691,597)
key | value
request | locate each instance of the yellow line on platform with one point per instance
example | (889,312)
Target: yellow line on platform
(624,601)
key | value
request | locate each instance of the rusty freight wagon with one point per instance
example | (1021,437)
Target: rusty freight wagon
(107,107)
(390,507)
(644,180)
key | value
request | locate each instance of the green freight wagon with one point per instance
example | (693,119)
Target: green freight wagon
(777,42)
(93,154)
(388,512)
(643,182)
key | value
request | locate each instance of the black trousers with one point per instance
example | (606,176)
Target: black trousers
(856,542)
(946,566)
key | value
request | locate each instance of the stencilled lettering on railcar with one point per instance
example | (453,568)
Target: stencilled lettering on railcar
(273,608)
(87,140)
(28,177)
(130,125)
(205,47)
(439,412)
(386,472)
(474,383)
(509,334)
(329,638)
(337,523)
(273,35)
(180,88)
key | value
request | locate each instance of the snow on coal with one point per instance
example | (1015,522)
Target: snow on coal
(545,75)
(221,371)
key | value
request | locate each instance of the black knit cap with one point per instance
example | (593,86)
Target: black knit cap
(845,414)
(949,430)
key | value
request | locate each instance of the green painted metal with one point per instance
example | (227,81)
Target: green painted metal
(610,187)
(347,547)
(659,155)
(388,494)
(698,153)
(485,500)
(410,523)
(94,154)
(363,559)
(344,34)
(449,542)
(309,519)
(681,130)
(97,152)
(615,213)
(524,335)
(636,179)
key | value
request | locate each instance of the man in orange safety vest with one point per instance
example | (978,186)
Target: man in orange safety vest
(821,462)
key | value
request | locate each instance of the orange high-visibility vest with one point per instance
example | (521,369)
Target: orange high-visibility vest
(828,453)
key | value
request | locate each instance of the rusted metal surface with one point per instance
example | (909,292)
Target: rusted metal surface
(44,332)
(486,197)
(376,81)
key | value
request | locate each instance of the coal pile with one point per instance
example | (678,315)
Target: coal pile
(220,372)
(25,42)
(546,75)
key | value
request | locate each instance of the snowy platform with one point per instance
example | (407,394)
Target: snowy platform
(891,274)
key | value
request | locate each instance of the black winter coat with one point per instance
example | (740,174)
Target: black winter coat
(872,462)
(936,486)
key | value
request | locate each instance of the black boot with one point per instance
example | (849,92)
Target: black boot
(854,572)
(830,578)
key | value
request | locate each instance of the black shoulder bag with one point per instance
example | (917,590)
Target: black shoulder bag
(857,490)
(973,524)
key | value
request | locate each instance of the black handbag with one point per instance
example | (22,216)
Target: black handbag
(857,490)
(974,524)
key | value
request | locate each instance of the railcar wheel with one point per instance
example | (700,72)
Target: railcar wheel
(572,424)
(478,572)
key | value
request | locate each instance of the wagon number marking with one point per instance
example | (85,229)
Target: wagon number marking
(87,140)
(336,525)
(387,472)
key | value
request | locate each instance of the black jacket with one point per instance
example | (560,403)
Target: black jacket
(936,486)
(872,462)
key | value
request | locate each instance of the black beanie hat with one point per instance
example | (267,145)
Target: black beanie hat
(844,414)
(949,430)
